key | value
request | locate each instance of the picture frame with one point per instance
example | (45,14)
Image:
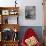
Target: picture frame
(5,12)
(30,12)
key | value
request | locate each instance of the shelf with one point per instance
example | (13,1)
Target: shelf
(7,16)
(5,8)
(11,41)
(10,26)
(10,19)
(5,13)
(11,15)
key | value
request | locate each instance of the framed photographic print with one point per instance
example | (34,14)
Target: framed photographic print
(30,12)
(5,12)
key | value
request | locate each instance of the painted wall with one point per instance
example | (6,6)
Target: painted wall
(22,3)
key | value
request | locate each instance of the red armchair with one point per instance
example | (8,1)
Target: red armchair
(29,33)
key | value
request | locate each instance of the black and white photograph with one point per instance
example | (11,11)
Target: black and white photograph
(30,12)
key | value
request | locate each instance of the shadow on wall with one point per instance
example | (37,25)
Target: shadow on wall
(37,29)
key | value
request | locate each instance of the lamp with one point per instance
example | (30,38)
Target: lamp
(15,3)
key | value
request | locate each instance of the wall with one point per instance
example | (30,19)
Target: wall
(39,13)
(22,3)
